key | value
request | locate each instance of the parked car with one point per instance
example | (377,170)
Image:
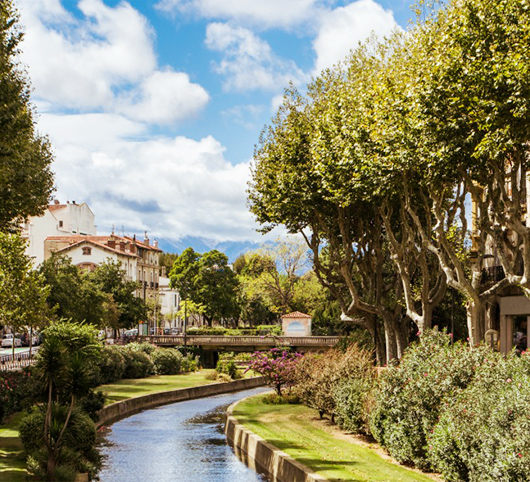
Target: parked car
(9,339)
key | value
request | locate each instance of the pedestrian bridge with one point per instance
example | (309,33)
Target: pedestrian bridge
(243,343)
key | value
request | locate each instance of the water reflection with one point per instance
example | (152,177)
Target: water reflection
(179,442)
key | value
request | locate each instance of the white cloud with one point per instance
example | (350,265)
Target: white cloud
(248,62)
(259,13)
(104,62)
(343,28)
(160,100)
(171,187)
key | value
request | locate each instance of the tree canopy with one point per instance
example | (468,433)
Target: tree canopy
(375,165)
(26,180)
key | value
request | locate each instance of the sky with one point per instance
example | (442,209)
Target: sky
(153,107)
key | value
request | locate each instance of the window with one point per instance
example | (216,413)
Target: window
(87,250)
(60,224)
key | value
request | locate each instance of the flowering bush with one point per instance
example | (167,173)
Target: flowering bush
(167,361)
(485,434)
(276,365)
(17,390)
(321,381)
(410,396)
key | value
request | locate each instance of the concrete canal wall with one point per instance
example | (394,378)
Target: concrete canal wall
(116,411)
(263,457)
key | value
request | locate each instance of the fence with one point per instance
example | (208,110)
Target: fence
(20,360)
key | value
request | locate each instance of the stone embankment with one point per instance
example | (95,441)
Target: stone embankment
(118,410)
(264,457)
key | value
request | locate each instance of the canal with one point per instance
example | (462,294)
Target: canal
(183,441)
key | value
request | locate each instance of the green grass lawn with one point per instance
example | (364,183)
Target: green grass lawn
(12,461)
(294,429)
(129,388)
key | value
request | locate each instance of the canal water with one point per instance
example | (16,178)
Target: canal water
(183,441)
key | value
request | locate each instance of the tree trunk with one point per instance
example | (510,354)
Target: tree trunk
(474,317)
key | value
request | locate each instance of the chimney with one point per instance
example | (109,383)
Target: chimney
(155,243)
(122,246)
(111,243)
(146,239)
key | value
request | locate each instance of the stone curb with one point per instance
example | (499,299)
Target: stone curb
(125,408)
(261,456)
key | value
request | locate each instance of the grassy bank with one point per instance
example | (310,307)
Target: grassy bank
(296,430)
(12,460)
(136,387)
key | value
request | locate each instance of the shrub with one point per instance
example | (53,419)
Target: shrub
(137,364)
(190,363)
(277,366)
(350,396)
(167,361)
(227,365)
(485,434)
(18,390)
(318,377)
(92,403)
(146,348)
(111,364)
(410,396)
(78,453)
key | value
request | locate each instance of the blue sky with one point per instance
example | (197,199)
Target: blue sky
(154,107)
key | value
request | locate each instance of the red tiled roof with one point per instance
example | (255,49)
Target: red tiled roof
(55,207)
(89,241)
(296,314)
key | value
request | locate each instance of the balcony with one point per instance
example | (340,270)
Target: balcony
(493,274)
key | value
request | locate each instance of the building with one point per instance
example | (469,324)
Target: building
(57,220)
(139,259)
(296,324)
(169,301)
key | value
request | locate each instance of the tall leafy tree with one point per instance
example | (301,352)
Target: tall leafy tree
(207,280)
(23,292)
(73,294)
(26,180)
(112,280)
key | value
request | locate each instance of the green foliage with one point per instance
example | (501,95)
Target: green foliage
(190,363)
(110,278)
(111,364)
(138,364)
(484,435)
(18,390)
(79,438)
(227,365)
(410,396)
(350,396)
(73,294)
(22,294)
(167,361)
(26,179)
(208,281)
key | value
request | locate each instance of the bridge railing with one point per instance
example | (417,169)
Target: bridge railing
(8,363)
(219,340)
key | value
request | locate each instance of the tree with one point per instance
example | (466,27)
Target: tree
(276,366)
(22,290)
(26,180)
(65,367)
(216,287)
(73,293)
(207,280)
(110,278)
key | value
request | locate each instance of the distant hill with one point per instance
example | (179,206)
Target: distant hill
(202,245)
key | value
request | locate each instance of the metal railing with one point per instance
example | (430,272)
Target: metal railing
(219,340)
(20,360)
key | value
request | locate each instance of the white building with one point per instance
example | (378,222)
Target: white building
(57,220)
(169,300)
(138,259)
